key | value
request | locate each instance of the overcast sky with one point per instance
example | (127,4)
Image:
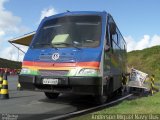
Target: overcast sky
(138,20)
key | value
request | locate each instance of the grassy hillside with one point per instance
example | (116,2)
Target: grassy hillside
(144,105)
(147,60)
(9,64)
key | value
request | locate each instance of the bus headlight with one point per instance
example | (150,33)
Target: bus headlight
(25,71)
(88,71)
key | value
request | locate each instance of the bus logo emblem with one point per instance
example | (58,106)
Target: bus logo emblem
(55,56)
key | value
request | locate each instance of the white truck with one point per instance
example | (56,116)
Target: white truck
(136,81)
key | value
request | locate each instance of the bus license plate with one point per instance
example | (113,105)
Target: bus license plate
(50,81)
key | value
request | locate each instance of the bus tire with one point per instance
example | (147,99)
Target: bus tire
(51,95)
(99,100)
(120,91)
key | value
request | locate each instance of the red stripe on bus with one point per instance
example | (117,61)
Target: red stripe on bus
(49,64)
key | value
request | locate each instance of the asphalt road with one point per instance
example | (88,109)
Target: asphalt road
(29,104)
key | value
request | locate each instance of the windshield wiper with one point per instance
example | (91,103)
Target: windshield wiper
(42,44)
(73,45)
(49,44)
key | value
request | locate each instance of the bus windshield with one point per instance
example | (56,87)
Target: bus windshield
(69,31)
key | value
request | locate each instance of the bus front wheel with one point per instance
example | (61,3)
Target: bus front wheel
(101,99)
(51,95)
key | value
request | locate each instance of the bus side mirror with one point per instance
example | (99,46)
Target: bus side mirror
(112,28)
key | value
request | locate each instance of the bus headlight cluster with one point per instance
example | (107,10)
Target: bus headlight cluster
(25,71)
(87,71)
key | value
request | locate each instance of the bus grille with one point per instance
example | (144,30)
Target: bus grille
(53,72)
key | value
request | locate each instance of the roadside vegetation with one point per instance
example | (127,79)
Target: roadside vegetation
(144,105)
(4,63)
(147,60)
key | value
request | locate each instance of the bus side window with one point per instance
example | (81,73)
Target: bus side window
(108,36)
(108,44)
(107,39)
(113,35)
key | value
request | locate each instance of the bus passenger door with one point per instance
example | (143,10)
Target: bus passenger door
(107,61)
(111,57)
(115,56)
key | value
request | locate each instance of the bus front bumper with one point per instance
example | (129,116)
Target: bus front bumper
(76,85)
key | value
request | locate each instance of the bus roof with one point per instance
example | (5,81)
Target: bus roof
(70,13)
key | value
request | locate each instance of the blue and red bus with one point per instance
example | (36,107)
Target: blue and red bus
(75,52)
